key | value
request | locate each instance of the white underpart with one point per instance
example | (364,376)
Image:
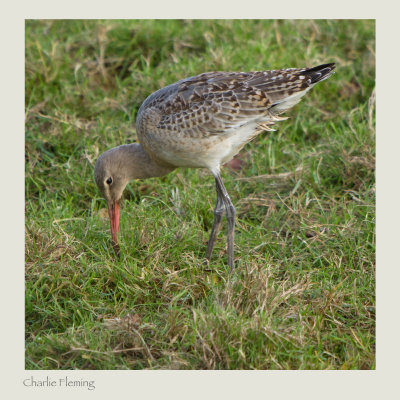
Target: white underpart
(290,101)
(214,151)
(225,150)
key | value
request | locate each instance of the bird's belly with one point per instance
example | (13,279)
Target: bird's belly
(204,152)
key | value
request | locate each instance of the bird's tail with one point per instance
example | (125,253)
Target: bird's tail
(320,73)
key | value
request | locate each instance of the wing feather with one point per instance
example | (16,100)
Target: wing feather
(216,103)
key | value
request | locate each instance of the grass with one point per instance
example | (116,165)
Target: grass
(303,292)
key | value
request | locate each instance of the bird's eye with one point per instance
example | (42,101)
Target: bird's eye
(109,181)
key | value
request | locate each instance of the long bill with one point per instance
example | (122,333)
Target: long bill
(113,212)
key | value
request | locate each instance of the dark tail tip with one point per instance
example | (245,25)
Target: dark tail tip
(319,73)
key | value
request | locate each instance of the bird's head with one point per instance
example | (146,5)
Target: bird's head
(111,176)
(115,168)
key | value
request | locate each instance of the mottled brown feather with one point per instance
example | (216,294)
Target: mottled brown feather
(214,103)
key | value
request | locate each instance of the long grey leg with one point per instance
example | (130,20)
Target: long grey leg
(218,213)
(230,216)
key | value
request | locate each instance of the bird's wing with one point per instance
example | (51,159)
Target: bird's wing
(215,103)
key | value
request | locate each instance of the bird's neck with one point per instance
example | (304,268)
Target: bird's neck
(139,165)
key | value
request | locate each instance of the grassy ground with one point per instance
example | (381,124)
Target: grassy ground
(303,293)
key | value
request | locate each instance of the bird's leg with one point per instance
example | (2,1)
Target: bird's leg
(230,216)
(218,213)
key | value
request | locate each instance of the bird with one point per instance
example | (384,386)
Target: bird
(202,122)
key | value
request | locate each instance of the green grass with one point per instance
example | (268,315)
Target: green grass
(303,292)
